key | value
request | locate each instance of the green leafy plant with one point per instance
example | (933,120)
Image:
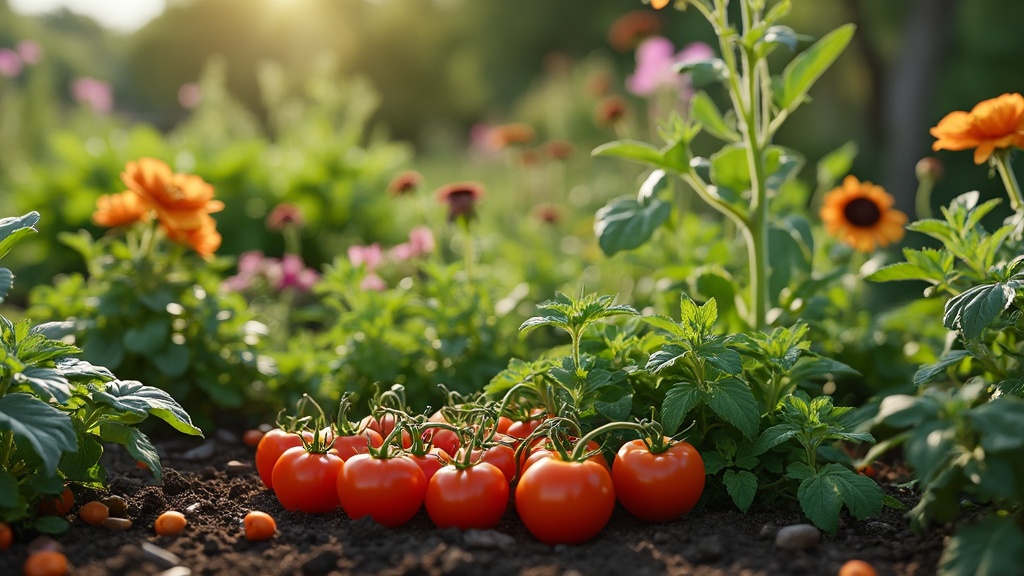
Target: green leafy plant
(57,411)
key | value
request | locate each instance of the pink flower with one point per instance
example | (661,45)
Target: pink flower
(284,216)
(374,283)
(655,58)
(421,240)
(10,63)
(291,272)
(251,265)
(190,95)
(95,94)
(369,256)
(401,252)
(31,52)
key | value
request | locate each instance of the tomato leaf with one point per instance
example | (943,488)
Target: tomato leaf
(8,490)
(627,223)
(774,436)
(137,444)
(928,372)
(48,524)
(999,423)
(679,400)
(989,548)
(134,397)
(742,486)
(732,399)
(823,495)
(973,310)
(83,466)
(47,429)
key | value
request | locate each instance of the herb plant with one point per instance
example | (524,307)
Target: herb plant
(57,411)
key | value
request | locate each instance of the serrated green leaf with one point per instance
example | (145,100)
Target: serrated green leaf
(54,330)
(742,486)
(83,466)
(1014,386)
(78,370)
(48,430)
(937,229)
(703,109)
(973,310)
(805,69)
(134,397)
(928,372)
(927,264)
(46,383)
(625,224)
(773,436)
(991,547)
(733,401)
(714,461)
(14,228)
(679,400)
(643,153)
(137,444)
(823,495)
(665,323)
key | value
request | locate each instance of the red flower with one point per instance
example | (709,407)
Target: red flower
(461,198)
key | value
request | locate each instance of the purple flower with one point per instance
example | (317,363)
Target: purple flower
(31,52)
(655,58)
(370,256)
(10,63)
(251,265)
(95,94)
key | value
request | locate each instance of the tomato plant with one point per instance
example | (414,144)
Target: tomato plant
(658,481)
(565,502)
(305,477)
(388,489)
(474,496)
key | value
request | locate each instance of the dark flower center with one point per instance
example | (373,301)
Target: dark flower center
(862,213)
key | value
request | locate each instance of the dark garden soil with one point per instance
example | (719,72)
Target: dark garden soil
(215,495)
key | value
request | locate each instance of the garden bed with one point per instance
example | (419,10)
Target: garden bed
(215,495)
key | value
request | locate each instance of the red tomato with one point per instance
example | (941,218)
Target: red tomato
(270,448)
(442,438)
(431,462)
(658,487)
(522,428)
(474,497)
(501,457)
(384,426)
(565,502)
(389,490)
(305,481)
(58,505)
(349,446)
(503,423)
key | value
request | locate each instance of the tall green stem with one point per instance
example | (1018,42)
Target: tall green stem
(1009,180)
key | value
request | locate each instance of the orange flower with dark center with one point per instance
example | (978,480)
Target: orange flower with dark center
(993,124)
(405,183)
(461,198)
(610,110)
(119,210)
(205,239)
(860,214)
(511,134)
(629,29)
(181,201)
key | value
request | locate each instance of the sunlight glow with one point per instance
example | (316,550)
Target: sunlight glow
(120,15)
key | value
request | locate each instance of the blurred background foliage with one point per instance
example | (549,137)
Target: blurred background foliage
(320,103)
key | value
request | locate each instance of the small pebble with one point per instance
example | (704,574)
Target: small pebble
(157,555)
(42,544)
(116,524)
(226,436)
(768,531)
(797,537)
(177,571)
(235,465)
(117,505)
(201,452)
(193,507)
(487,539)
(710,548)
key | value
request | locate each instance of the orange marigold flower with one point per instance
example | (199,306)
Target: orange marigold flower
(119,210)
(992,124)
(181,201)
(860,214)
(205,239)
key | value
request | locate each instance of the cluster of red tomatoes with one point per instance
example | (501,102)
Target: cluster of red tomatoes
(389,469)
